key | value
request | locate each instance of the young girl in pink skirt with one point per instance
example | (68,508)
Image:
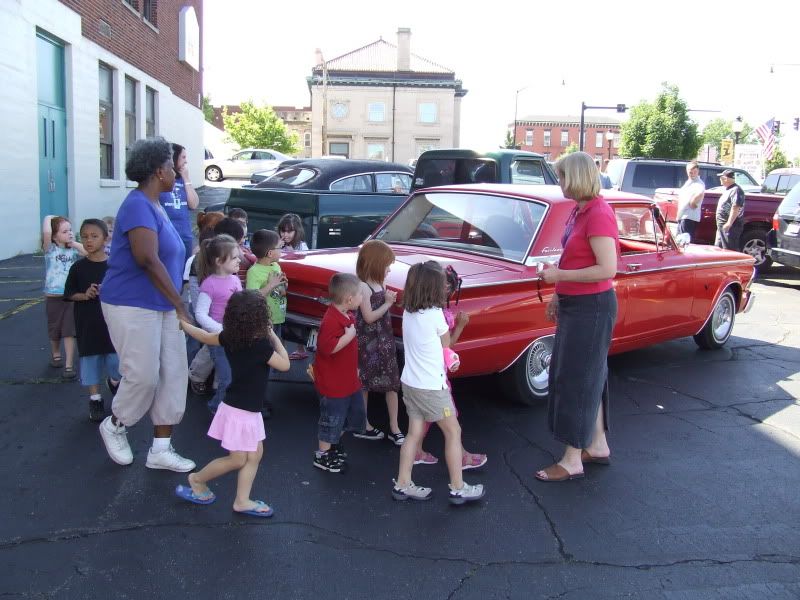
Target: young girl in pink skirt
(456,321)
(251,347)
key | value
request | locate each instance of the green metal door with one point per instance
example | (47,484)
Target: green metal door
(52,127)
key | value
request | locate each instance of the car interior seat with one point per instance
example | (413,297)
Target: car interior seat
(505,233)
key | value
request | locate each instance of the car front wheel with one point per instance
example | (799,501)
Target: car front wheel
(528,379)
(213,173)
(754,243)
(720,324)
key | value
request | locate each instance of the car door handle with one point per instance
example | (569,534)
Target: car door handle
(634,266)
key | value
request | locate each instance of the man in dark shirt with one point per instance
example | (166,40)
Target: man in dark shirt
(730,212)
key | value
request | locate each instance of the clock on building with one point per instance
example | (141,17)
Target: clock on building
(339,110)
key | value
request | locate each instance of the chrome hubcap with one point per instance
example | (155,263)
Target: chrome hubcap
(757,249)
(538,364)
(722,321)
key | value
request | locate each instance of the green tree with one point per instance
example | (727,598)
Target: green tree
(719,129)
(208,110)
(661,129)
(778,161)
(509,143)
(260,127)
(573,147)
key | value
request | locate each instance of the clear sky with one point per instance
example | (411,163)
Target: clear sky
(617,51)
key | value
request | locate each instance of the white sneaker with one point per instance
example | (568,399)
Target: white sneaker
(467,493)
(169,460)
(415,492)
(115,439)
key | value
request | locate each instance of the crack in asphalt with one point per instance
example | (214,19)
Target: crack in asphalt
(467,576)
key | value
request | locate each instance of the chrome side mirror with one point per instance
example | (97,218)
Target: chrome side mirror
(682,240)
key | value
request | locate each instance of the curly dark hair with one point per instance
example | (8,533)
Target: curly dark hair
(246,319)
(146,157)
(426,287)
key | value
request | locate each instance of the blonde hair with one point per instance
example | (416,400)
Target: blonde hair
(578,176)
(373,258)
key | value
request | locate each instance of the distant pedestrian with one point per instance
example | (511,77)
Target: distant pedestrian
(293,235)
(239,214)
(341,405)
(61,251)
(690,197)
(377,354)
(141,305)
(426,393)
(98,358)
(181,199)
(109,221)
(252,348)
(730,212)
(605,180)
(585,307)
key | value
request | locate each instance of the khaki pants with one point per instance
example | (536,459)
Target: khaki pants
(152,362)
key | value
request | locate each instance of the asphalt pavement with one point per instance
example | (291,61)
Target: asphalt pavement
(701,500)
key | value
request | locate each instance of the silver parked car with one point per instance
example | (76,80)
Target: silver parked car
(243,164)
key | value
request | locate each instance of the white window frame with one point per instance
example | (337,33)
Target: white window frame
(106,106)
(564,138)
(150,120)
(131,124)
(529,137)
(599,139)
(548,138)
(373,144)
(372,109)
(423,117)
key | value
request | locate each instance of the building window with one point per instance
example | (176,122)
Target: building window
(529,137)
(339,149)
(547,156)
(599,138)
(149,10)
(106,90)
(427,112)
(564,137)
(616,140)
(425,145)
(547,138)
(307,139)
(377,111)
(132,3)
(150,112)
(130,114)
(376,151)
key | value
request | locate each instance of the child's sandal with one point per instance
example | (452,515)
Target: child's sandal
(69,373)
(56,362)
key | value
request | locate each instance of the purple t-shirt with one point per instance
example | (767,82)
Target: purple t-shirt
(126,283)
(220,289)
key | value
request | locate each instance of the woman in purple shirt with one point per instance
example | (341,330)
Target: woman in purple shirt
(182,198)
(141,305)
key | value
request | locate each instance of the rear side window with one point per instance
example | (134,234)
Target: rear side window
(657,176)
(770,184)
(527,171)
(786,183)
(392,183)
(293,176)
(446,171)
(791,204)
(356,183)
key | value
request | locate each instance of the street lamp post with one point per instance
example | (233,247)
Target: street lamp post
(609,139)
(321,60)
(737,126)
(516,102)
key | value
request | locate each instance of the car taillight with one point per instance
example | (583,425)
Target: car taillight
(776,222)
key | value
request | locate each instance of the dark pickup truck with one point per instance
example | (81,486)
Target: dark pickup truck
(336,218)
(758,211)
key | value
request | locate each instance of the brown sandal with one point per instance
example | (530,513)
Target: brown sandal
(55,361)
(556,472)
(597,460)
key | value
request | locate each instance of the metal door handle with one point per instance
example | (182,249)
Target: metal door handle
(634,266)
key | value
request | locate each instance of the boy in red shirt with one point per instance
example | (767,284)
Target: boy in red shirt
(336,373)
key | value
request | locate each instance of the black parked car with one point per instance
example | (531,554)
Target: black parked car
(341,176)
(783,241)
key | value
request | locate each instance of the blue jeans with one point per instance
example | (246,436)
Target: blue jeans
(223,370)
(336,413)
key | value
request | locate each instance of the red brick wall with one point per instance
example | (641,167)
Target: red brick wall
(134,41)
(555,148)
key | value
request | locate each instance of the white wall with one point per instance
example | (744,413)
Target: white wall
(88,195)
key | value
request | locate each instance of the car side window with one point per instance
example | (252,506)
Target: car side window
(657,176)
(527,171)
(638,231)
(392,183)
(243,156)
(770,184)
(786,183)
(356,183)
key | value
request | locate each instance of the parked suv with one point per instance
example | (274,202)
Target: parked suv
(645,175)
(780,181)
(784,239)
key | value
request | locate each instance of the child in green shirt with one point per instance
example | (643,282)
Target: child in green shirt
(266,276)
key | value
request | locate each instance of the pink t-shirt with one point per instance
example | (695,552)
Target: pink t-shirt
(220,289)
(596,219)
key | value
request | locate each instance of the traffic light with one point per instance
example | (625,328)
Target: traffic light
(776,128)
(797,123)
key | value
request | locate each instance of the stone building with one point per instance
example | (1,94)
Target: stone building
(384,102)
(298,120)
(82,80)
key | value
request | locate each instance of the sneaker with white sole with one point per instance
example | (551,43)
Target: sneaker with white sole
(414,492)
(396,438)
(169,460)
(467,493)
(115,438)
(373,434)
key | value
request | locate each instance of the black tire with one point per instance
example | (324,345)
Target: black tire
(754,243)
(526,381)
(719,327)
(214,173)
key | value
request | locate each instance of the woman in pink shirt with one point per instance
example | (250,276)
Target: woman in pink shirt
(585,307)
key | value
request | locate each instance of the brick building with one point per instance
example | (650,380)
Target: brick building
(550,135)
(84,79)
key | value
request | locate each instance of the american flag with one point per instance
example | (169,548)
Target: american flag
(767,138)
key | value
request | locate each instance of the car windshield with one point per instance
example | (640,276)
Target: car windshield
(293,176)
(485,224)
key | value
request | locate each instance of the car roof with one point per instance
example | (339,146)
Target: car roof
(785,171)
(465,153)
(351,166)
(550,193)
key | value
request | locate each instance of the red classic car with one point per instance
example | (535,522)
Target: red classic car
(497,237)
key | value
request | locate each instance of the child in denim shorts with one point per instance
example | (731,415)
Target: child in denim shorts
(336,373)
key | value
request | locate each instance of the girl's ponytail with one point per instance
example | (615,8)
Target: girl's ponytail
(202,267)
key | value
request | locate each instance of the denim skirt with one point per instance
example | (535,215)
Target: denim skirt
(579,366)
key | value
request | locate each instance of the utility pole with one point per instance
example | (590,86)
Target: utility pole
(321,60)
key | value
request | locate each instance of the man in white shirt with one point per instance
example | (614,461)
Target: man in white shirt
(690,197)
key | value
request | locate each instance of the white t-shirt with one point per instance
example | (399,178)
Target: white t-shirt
(691,188)
(424,367)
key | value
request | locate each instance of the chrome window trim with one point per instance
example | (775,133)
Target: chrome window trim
(688,266)
(320,299)
(785,251)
